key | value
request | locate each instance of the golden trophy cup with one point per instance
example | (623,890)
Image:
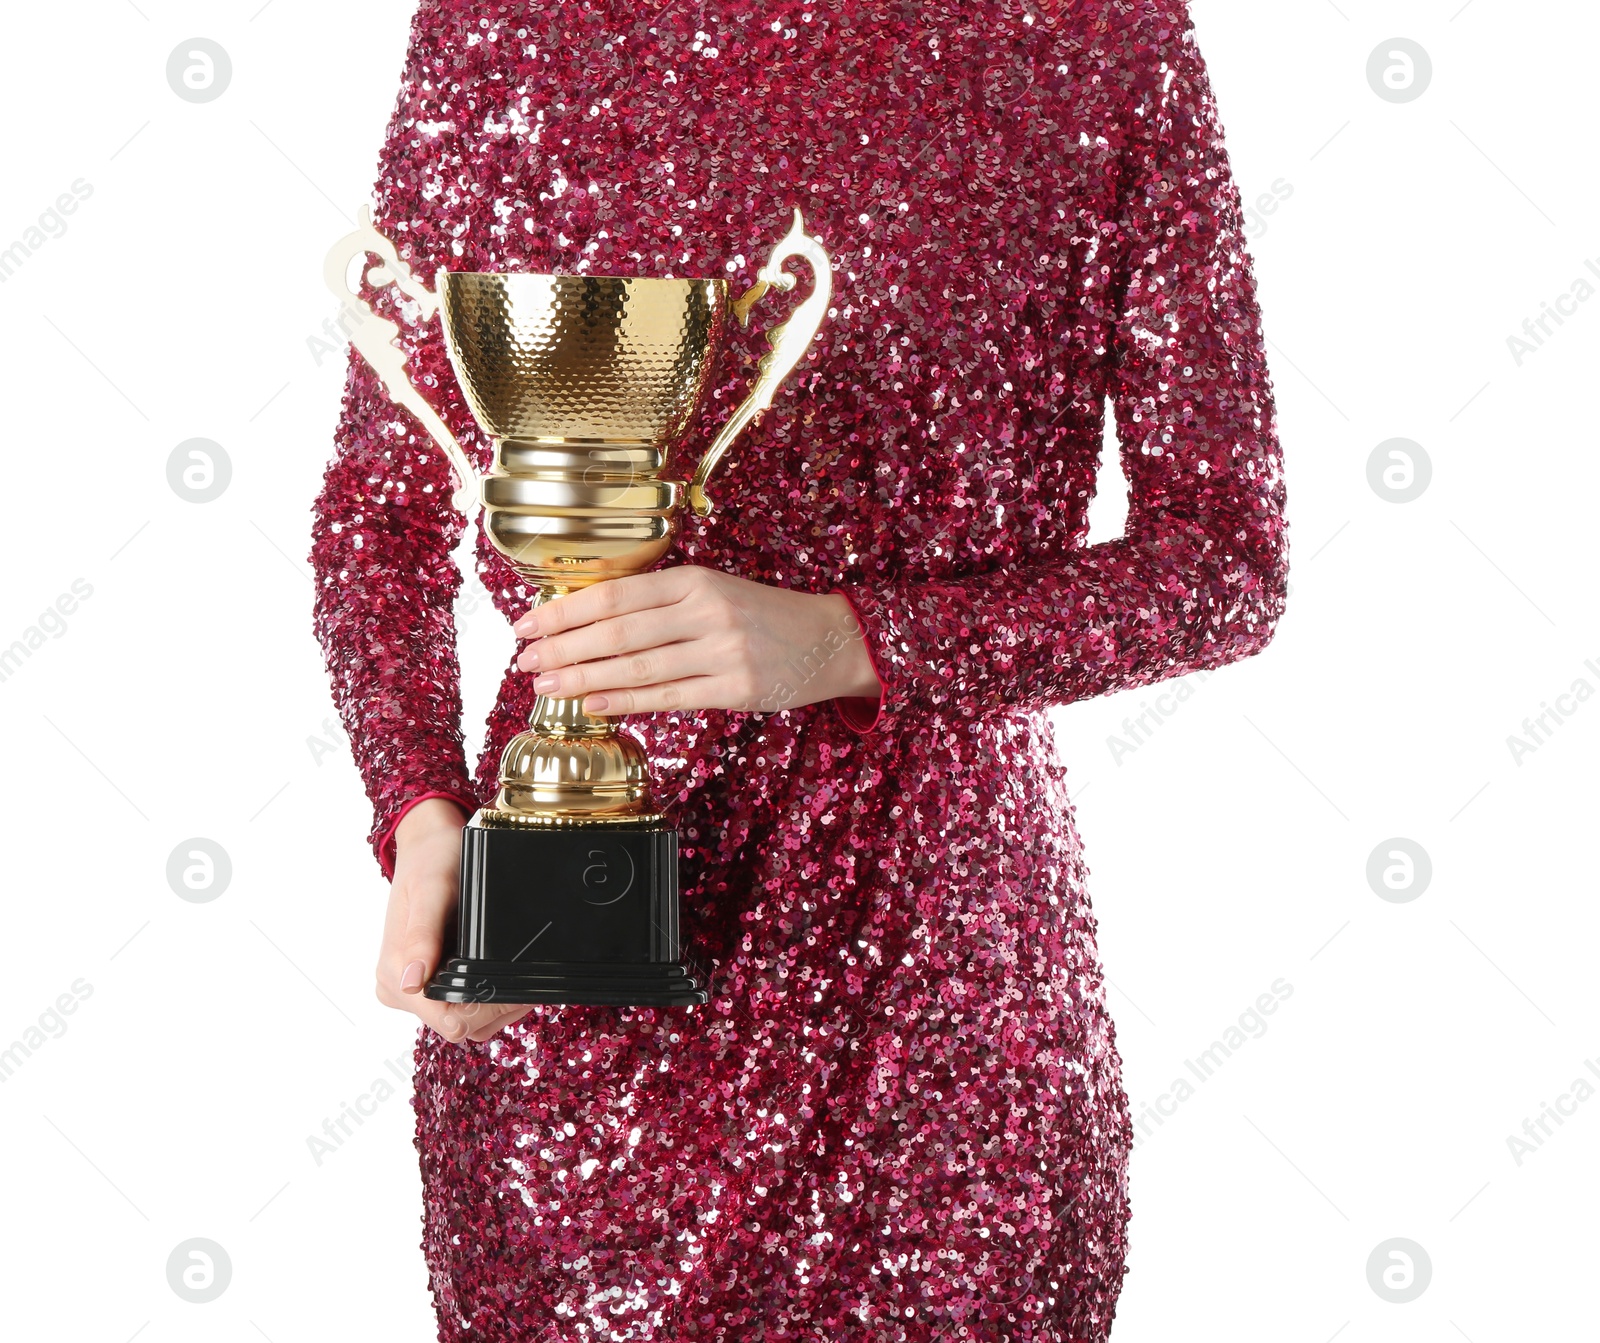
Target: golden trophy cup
(586,384)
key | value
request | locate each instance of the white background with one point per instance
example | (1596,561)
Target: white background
(1230,849)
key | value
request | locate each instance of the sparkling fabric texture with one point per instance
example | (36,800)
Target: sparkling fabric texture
(901,1116)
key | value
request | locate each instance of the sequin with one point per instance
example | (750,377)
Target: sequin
(901,1117)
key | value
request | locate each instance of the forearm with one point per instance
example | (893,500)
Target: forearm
(1101,619)
(382,536)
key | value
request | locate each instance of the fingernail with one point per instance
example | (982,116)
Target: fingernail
(546,683)
(411,978)
(530,660)
(529,624)
(596,704)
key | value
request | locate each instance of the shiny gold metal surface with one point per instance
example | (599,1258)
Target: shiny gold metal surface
(586,383)
(374,336)
(495,819)
(583,358)
(789,341)
(571,767)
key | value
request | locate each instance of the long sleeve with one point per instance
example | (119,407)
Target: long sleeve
(1170,332)
(382,535)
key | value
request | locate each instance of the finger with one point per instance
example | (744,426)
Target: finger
(695,692)
(657,666)
(614,597)
(491,1026)
(633,632)
(420,945)
(478,1021)
(444,1018)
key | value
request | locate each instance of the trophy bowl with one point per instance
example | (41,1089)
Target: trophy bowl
(582,358)
(586,383)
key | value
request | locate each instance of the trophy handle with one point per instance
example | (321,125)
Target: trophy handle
(374,337)
(789,341)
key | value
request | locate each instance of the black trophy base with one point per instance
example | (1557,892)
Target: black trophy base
(600,984)
(571,914)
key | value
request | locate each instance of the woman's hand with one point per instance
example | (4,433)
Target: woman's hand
(693,638)
(427,865)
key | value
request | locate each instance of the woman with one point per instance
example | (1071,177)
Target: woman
(901,1115)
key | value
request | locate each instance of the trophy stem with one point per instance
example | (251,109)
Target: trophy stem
(566,718)
(571,768)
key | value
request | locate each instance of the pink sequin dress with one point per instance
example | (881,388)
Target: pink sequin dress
(901,1116)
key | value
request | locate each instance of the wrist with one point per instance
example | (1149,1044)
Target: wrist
(431,818)
(854,676)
